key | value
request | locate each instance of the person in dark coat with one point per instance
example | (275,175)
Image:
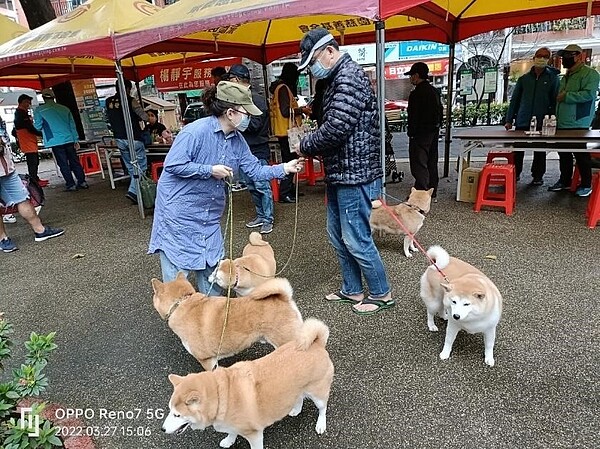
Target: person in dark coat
(425,116)
(349,142)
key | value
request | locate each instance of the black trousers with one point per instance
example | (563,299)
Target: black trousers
(423,157)
(286,185)
(584,163)
(33,163)
(538,166)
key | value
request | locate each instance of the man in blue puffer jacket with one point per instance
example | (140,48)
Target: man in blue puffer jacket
(534,95)
(348,139)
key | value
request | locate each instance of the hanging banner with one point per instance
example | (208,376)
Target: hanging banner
(187,76)
(437,67)
(92,114)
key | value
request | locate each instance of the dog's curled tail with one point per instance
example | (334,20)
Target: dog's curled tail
(440,256)
(256,239)
(312,331)
(278,287)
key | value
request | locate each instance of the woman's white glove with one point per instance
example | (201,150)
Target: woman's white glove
(221,171)
(293,166)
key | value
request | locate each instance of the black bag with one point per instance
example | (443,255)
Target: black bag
(36,195)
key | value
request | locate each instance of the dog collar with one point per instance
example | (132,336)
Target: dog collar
(417,208)
(174,306)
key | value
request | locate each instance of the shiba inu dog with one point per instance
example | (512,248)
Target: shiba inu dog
(247,397)
(469,301)
(411,213)
(243,274)
(268,314)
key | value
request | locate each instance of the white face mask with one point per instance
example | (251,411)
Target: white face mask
(540,62)
(242,125)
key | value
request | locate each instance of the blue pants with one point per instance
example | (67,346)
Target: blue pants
(170,270)
(262,197)
(348,213)
(140,152)
(68,162)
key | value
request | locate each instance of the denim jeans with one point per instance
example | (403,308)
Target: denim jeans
(262,197)
(348,212)
(67,160)
(170,270)
(140,152)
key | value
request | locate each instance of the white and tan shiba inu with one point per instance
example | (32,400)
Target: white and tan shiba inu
(267,314)
(247,397)
(411,213)
(256,265)
(469,301)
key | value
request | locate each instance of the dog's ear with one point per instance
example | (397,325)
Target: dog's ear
(447,287)
(156,285)
(181,275)
(430,191)
(192,398)
(175,379)
(479,295)
(413,190)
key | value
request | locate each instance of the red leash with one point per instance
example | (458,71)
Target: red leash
(407,232)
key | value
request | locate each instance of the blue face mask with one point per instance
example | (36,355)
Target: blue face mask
(319,71)
(243,125)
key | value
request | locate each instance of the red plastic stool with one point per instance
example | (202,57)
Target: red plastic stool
(576,179)
(275,189)
(155,170)
(309,174)
(497,173)
(593,207)
(90,163)
(508,155)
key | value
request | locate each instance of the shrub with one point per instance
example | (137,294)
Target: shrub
(27,380)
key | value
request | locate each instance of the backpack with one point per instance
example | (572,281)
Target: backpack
(36,196)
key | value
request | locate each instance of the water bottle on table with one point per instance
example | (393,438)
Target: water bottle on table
(533,125)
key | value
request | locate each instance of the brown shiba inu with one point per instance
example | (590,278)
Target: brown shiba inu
(256,265)
(268,314)
(469,301)
(411,213)
(247,397)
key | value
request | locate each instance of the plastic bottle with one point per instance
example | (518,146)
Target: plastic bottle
(546,125)
(533,125)
(552,126)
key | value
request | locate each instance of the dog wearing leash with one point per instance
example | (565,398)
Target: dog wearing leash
(247,397)
(466,297)
(245,273)
(267,314)
(411,214)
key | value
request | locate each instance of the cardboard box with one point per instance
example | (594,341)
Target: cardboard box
(469,183)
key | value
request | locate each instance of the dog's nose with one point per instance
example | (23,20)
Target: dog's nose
(163,429)
(456,316)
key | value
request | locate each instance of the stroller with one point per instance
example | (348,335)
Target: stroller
(391,169)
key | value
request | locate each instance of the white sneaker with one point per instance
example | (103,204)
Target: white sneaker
(10,218)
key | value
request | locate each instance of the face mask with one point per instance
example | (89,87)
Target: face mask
(319,71)
(568,62)
(540,62)
(243,125)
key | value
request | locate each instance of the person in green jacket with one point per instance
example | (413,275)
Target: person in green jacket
(575,106)
(534,95)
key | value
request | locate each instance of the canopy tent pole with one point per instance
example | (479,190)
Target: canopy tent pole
(448,133)
(380,74)
(130,138)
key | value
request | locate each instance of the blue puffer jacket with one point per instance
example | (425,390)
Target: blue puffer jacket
(533,96)
(56,123)
(581,88)
(349,137)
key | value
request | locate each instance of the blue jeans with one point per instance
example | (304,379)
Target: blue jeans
(348,213)
(140,152)
(170,270)
(67,160)
(262,197)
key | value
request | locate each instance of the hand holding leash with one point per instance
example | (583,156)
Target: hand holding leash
(221,171)
(294,166)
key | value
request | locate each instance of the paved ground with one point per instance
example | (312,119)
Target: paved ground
(390,388)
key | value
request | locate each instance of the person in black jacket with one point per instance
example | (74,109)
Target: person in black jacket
(114,111)
(257,138)
(349,141)
(425,115)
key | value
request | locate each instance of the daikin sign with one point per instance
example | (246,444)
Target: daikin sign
(398,51)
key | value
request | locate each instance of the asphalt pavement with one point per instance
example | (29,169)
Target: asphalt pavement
(391,390)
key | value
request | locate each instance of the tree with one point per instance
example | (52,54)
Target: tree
(39,12)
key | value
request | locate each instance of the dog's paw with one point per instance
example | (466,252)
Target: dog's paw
(433,328)
(490,361)
(228,441)
(321,426)
(445,355)
(408,254)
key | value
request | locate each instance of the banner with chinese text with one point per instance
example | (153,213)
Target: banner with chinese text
(186,76)
(92,114)
(437,67)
